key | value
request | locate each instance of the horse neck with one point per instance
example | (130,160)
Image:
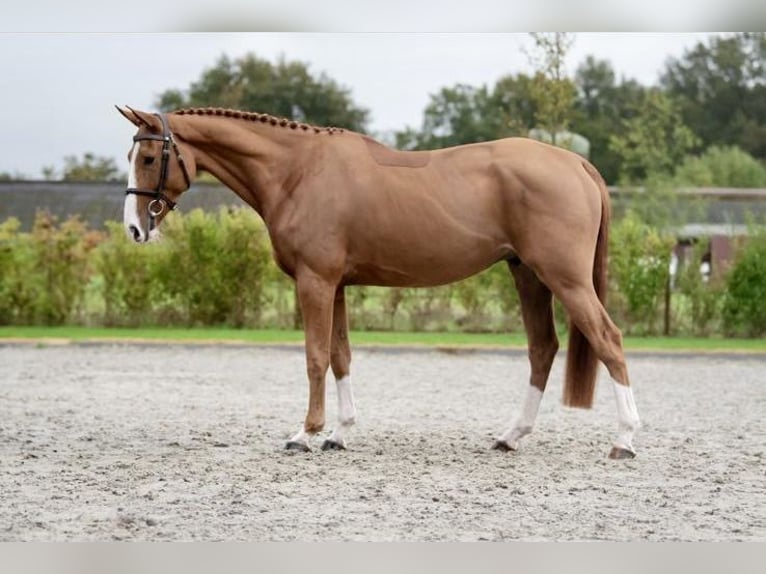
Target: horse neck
(252,159)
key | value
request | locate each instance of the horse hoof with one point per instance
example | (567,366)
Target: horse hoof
(298,446)
(332,445)
(619,453)
(502,446)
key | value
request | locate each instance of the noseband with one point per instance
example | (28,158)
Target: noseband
(159,199)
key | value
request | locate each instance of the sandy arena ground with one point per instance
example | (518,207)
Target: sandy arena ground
(131,442)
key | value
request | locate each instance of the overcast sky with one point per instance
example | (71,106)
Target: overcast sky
(58,90)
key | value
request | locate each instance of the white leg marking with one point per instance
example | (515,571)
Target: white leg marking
(302,437)
(130,207)
(346,410)
(627,416)
(526,420)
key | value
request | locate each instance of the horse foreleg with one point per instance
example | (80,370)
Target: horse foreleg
(340,361)
(316,300)
(537,313)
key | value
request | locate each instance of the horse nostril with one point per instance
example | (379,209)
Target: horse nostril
(135,232)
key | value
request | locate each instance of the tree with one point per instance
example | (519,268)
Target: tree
(8,176)
(88,168)
(602,105)
(721,89)
(513,96)
(49,173)
(456,115)
(721,167)
(596,83)
(552,92)
(283,89)
(654,141)
(464,114)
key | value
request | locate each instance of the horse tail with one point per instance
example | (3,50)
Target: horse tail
(582,362)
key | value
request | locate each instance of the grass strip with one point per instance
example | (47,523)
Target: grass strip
(276,336)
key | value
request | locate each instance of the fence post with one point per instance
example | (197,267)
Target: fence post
(666,326)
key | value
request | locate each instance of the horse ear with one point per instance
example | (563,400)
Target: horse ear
(128,114)
(139,118)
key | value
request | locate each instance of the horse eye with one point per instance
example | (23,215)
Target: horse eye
(148,160)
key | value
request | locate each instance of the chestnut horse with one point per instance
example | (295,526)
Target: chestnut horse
(342,209)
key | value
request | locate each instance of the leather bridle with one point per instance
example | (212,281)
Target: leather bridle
(159,199)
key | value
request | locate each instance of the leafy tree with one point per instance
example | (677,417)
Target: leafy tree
(89,167)
(14,176)
(466,114)
(649,146)
(49,173)
(552,92)
(721,88)
(596,83)
(456,115)
(721,167)
(601,107)
(654,141)
(284,88)
(512,95)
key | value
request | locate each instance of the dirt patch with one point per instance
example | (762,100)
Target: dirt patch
(131,442)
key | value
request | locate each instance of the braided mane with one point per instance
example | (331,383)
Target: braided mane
(256,117)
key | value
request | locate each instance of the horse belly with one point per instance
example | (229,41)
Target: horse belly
(426,227)
(437,261)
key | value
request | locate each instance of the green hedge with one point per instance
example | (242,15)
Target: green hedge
(208,270)
(639,261)
(216,269)
(744,303)
(44,274)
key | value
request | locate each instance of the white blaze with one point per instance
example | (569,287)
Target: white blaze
(130,208)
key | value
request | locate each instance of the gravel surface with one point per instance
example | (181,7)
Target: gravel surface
(141,442)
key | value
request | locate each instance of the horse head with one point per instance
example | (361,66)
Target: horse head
(159,173)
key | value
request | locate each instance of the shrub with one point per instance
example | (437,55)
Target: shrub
(701,300)
(374,308)
(45,273)
(128,283)
(212,267)
(18,295)
(208,269)
(489,294)
(744,310)
(428,309)
(486,302)
(215,269)
(62,270)
(639,271)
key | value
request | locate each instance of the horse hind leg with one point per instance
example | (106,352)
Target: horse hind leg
(340,361)
(591,318)
(537,313)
